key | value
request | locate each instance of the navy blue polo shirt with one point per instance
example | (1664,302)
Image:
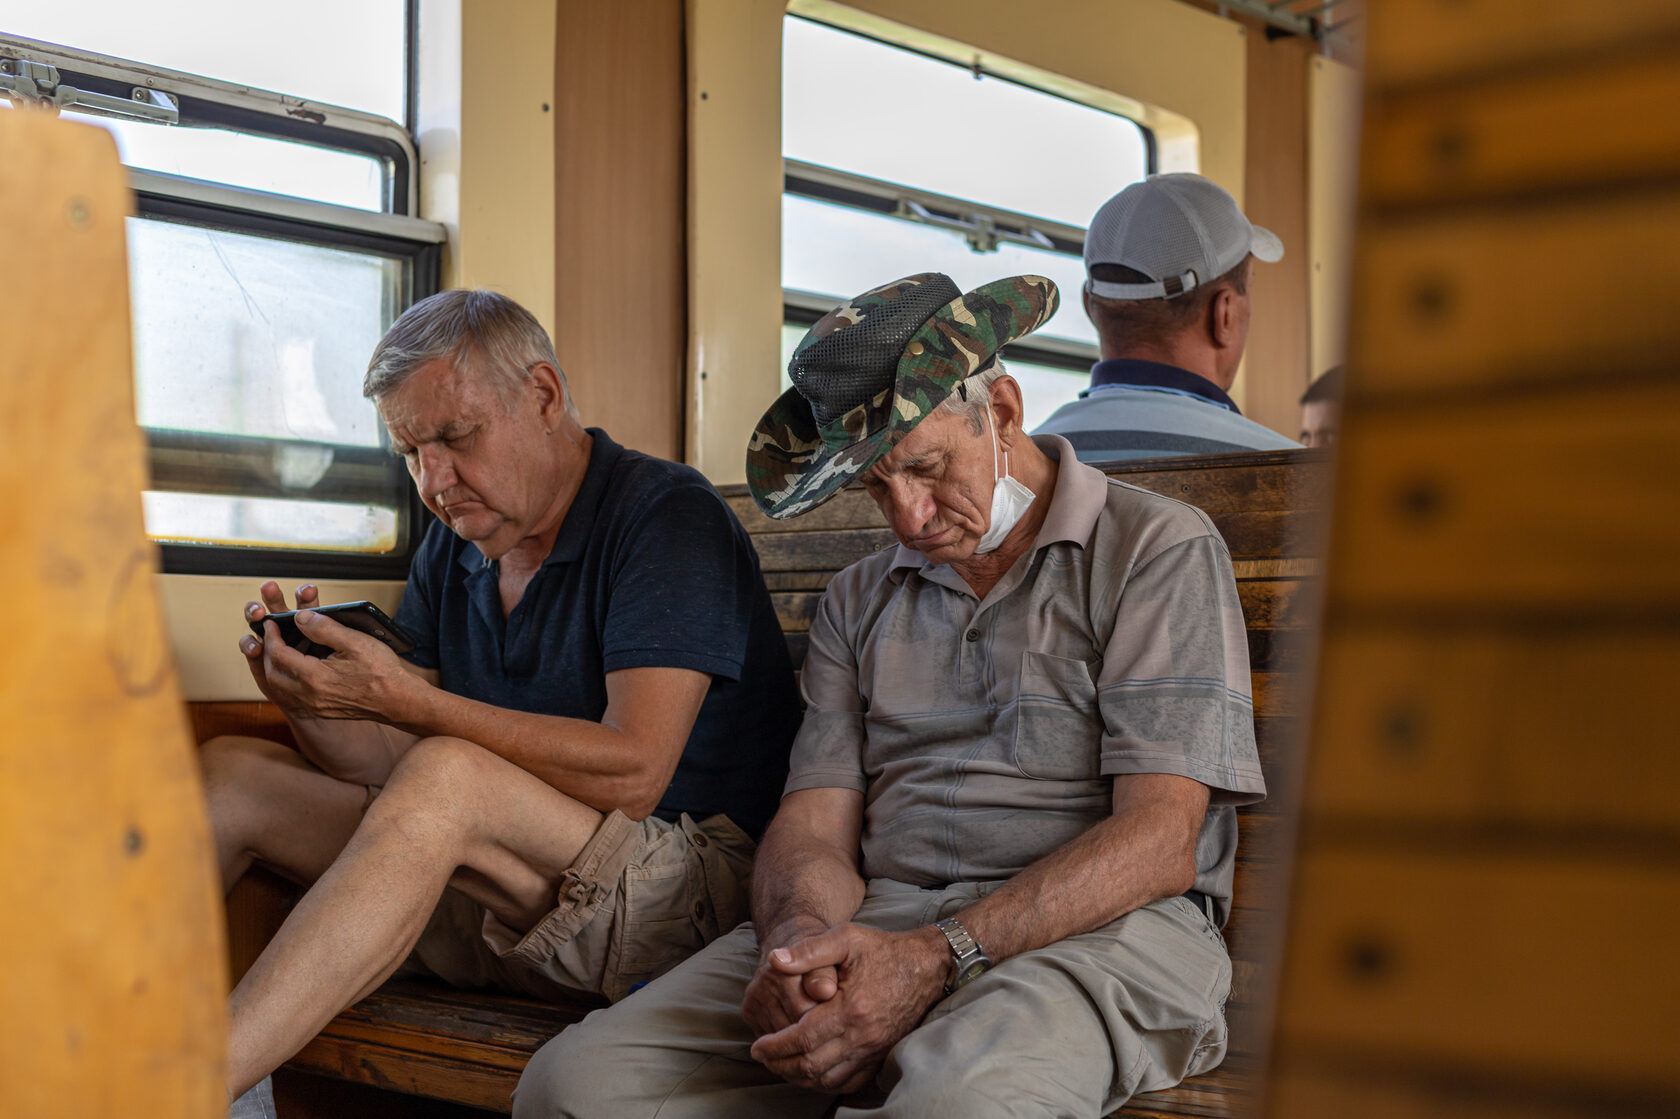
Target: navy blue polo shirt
(650,569)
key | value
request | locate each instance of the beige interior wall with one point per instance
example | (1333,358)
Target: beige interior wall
(1188,64)
(505,233)
(205,617)
(1333,90)
(734,226)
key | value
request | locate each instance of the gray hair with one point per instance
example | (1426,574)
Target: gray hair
(970,395)
(463,325)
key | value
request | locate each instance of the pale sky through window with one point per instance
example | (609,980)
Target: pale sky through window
(872,109)
(865,107)
(359,65)
(342,53)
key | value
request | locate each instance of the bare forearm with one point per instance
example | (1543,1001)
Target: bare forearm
(801,885)
(1130,859)
(595,763)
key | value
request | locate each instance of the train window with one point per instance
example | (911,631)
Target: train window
(272,244)
(873,189)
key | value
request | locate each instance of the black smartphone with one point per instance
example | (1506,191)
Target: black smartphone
(363,616)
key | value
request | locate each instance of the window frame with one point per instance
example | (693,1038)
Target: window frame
(226,465)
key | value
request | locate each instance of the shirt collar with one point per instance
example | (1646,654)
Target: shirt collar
(1080,494)
(579,522)
(1128,372)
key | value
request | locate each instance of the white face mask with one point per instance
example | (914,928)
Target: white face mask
(1009,497)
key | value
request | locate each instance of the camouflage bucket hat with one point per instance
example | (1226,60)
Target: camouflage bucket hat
(872,369)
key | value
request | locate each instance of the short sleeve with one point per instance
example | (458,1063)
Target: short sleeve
(683,583)
(417,613)
(828,751)
(1174,690)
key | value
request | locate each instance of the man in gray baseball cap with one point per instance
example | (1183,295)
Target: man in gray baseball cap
(1167,264)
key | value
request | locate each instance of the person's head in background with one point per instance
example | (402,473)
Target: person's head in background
(1321,410)
(1167,264)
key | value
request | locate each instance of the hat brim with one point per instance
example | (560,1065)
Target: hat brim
(1265,245)
(792,469)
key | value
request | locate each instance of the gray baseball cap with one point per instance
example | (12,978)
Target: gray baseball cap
(1180,230)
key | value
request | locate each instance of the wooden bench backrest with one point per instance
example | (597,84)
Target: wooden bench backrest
(109,911)
(1268,506)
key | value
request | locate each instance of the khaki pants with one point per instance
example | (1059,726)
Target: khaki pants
(1075,1028)
(641,898)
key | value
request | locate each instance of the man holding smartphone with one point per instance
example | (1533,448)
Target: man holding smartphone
(558,789)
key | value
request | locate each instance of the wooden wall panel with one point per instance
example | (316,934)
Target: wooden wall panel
(1277,363)
(1485,870)
(620,256)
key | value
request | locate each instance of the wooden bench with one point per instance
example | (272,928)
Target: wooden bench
(467,1047)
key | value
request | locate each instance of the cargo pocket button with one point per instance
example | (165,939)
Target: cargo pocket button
(700,841)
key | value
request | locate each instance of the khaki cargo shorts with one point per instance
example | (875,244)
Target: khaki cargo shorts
(642,897)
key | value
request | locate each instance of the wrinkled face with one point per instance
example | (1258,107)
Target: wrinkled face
(1318,423)
(935,487)
(473,458)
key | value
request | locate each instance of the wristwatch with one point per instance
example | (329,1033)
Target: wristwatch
(971,959)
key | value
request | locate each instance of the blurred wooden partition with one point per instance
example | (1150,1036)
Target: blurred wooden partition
(110,919)
(1487,878)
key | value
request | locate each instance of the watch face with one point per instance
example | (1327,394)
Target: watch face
(971,972)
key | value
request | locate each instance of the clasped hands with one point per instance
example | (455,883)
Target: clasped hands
(830,1005)
(346,685)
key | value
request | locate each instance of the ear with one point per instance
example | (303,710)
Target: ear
(1007,410)
(1223,322)
(551,398)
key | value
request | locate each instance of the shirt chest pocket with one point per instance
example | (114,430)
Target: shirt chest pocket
(1058,728)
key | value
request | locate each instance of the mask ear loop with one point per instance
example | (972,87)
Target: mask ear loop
(992,423)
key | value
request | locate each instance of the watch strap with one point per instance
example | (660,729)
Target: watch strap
(965,950)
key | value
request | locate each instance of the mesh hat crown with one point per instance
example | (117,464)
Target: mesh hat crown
(872,369)
(1180,230)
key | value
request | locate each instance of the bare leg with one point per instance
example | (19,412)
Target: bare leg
(449,805)
(268,804)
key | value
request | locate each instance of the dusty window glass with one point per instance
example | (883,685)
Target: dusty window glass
(245,335)
(256,347)
(839,251)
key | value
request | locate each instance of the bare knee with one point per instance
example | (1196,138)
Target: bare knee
(441,763)
(437,784)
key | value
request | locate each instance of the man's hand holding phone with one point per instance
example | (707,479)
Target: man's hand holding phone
(353,684)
